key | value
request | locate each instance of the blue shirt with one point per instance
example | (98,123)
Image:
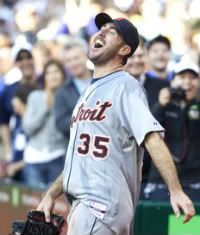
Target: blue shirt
(152,75)
(6,112)
(6,109)
(2,85)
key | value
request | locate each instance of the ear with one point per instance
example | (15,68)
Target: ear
(124,50)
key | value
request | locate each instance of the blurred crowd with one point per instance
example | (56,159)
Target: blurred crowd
(44,69)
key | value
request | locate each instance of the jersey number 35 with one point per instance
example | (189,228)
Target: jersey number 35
(97,146)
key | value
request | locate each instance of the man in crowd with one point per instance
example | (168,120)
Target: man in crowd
(14,141)
(178,110)
(79,77)
(158,51)
(137,66)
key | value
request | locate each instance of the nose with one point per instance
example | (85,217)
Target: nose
(103,31)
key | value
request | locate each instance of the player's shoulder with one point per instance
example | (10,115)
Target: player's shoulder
(130,82)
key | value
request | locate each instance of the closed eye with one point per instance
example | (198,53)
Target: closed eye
(113,30)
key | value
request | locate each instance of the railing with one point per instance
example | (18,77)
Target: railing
(154,218)
(151,218)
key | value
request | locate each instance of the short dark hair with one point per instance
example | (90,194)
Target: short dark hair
(18,57)
(159,39)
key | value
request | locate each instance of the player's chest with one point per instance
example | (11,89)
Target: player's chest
(97,105)
(96,110)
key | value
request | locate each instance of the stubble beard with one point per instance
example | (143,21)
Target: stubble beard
(102,58)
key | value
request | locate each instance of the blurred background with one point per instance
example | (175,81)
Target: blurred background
(50,21)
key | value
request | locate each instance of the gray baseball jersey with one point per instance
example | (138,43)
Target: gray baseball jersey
(104,157)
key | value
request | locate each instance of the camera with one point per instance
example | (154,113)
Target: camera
(177,94)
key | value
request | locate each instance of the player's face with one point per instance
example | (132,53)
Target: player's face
(105,44)
(136,63)
(158,56)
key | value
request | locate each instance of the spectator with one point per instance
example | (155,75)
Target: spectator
(179,112)
(158,58)
(75,57)
(137,63)
(44,153)
(14,168)
(6,64)
(9,120)
(136,66)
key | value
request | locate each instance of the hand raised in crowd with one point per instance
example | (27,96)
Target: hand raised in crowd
(164,97)
(49,98)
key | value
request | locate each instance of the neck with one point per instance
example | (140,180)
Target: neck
(103,70)
(28,81)
(137,76)
(160,74)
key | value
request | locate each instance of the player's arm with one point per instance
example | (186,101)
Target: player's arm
(165,165)
(48,201)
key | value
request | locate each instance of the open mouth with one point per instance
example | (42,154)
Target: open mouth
(99,43)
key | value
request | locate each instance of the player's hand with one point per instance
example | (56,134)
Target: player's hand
(164,97)
(46,205)
(180,200)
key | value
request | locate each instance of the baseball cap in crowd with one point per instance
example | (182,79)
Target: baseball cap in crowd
(18,48)
(127,30)
(186,65)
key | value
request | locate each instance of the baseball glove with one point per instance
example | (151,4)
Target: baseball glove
(36,225)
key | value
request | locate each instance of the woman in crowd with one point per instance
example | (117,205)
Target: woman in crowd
(45,151)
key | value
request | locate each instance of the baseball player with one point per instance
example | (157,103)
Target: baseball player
(110,126)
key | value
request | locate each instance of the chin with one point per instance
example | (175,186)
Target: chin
(95,54)
(95,59)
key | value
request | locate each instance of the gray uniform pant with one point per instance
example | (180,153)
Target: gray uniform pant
(82,222)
